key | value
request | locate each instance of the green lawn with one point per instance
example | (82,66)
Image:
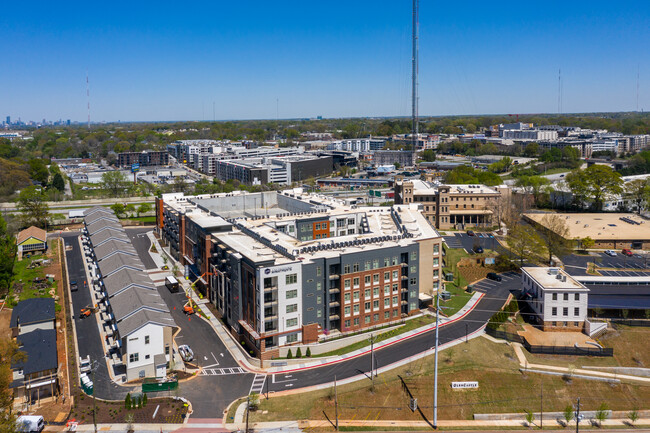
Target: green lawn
(144,219)
(25,277)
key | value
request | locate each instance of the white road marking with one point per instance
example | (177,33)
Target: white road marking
(282,381)
(222,371)
(258,384)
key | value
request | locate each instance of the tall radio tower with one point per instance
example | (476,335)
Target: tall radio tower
(414,61)
(559,91)
(88,98)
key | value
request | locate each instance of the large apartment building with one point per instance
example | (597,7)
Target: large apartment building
(449,206)
(287,267)
(145,159)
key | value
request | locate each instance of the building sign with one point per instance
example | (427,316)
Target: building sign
(278,270)
(489,260)
(464,385)
(135,168)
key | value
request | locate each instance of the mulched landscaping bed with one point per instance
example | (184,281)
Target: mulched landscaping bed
(170,411)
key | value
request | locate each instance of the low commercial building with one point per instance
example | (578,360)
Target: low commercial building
(281,170)
(405,158)
(450,206)
(31,240)
(558,301)
(135,319)
(608,230)
(289,267)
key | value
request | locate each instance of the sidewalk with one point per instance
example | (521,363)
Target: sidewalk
(254,365)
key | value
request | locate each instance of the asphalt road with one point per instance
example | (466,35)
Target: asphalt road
(141,243)
(88,337)
(494,299)
(577,264)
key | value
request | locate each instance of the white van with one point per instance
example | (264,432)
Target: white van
(29,424)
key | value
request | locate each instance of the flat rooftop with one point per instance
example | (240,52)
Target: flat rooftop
(600,226)
(548,279)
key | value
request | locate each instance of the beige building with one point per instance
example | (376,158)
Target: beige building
(450,206)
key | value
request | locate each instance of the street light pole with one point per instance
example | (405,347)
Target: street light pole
(435,373)
(95,365)
(372,359)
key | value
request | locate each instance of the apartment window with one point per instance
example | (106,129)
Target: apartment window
(319,299)
(386,315)
(346,296)
(554,311)
(554,296)
(356,321)
(395,275)
(565,311)
(394,301)
(346,283)
(566,296)
(355,308)
(395,262)
(355,267)
(291,279)
(386,276)
(292,294)
(575,324)
(347,323)
(318,286)
(366,319)
(350,221)
(436,249)
(436,261)
(317,226)
(375,305)
(319,313)
(375,291)
(346,269)
(577,296)
(356,282)
(414,281)
(413,294)
(318,236)
(367,293)
(414,255)
(367,266)
(292,322)
(375,263)
(375,278)
(395,287)
(386,302)
(350,231)
(436,273)
(414,269)
(292,338)
(395,313)
(134,357)
(366,280)
(347,311)
(386,290)
(367,306)
(292,308)
(375,317)
(386,262)
(576,311)
(319,271)
(355,294)
(146,339)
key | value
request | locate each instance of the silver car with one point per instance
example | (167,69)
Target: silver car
(185,352)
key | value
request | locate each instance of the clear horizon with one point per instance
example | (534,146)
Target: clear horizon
(302,60)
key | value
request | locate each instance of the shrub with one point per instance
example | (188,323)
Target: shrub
(298,353)
(601,413)
(530,417)
(568,414)
(127,401)
(633,416)
(144,400)
(289,355)
(308,354)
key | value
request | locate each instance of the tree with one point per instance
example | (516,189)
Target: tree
(531,150)
(8,251)
(633,416)
(119,209)
(127,401)
(555,235)
(524,241)
(638,190)
(38,171)
(143,208)
(530,417)
(58,182)
(32,205)
(533,185)
(587,243)
(298,353)
(289,355)
(179,184)
(397,165)
(429,155)
(602,413)
(568,414)
(129,208)
(115,182)
(595,183)
(9,354)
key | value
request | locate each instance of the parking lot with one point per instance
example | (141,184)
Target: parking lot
(463,240)
(644,273)
(509,280)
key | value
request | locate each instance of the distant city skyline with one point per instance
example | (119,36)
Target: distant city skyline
(263,60)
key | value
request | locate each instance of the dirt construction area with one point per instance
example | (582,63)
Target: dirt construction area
(536,337)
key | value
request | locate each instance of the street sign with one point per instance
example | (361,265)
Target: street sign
(135,167)
(464,385)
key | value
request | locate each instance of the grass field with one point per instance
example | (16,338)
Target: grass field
(25,276)
(502,388)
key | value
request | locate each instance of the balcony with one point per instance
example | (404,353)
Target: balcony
(270,289)
(334,276)
(270,302)
(404,265)
(335,290)
(334,317)
(405,277)
(334,304)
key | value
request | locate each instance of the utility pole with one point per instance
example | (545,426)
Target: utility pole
(435,373)
(95,365)
(248,405)
(336,404)
(541,407)
(577,416)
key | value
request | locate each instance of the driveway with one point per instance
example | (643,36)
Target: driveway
(141,243)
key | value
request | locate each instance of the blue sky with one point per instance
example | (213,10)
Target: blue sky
(259,59)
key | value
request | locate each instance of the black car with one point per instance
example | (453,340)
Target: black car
(73,286)
(478,249)
(494,276)
(470,233)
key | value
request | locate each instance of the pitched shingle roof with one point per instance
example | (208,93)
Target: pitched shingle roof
(105,235)
(111,247)
(120,261)
(32,231)
(135,299)
(40,347)
(137,321)
(35,310)
(100,225)
(125,278)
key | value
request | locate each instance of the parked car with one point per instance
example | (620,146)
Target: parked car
(611,253)
(478,249)
(627,252)
(494,276)
(470,233)
(30,424)
(185,352)
(73,286)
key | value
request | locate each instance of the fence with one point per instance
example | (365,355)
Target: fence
(550,350)
(631,322)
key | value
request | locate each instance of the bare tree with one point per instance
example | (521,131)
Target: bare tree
(554,232)
(524,241)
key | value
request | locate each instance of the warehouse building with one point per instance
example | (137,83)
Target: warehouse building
(289,267)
